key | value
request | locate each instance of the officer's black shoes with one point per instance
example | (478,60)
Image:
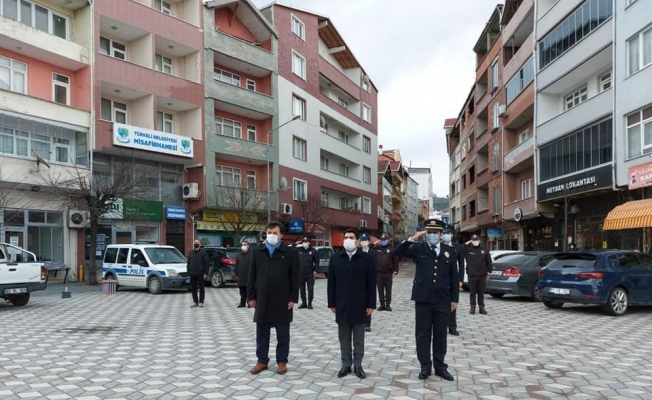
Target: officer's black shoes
(454,332)
(424,375)
(303,305)
(388,308)
(367,329)
(483,311)
(359,372)
(444,375)
(382,308)
(472,310)
(241,305)
(344,372)
(309,306)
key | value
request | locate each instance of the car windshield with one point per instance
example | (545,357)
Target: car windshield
(232,253)
(165,255)
(516,259)
(573,261)
(325,253)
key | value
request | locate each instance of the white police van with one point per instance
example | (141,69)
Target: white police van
(151,266)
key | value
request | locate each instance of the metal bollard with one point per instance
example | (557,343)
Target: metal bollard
(109,287)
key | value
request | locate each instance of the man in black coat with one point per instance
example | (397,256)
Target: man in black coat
(308,260)
(273,289)
(365,247)
(435,294)
(197,268)
(352,297)
(242,270)
(447,238)
(478,267)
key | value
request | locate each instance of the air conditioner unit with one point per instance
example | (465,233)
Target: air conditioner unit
(78,219)
(365,78)
(191,191)
(363,223)
(286,209)
(502,110)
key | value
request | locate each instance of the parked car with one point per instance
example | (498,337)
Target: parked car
(518,274)
(221,265)
(325,253)
(495,255)
(612,279)
(20,274)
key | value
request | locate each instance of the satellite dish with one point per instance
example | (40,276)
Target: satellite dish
(284,183)
(40,160)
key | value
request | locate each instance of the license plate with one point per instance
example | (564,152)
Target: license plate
(497,273)
(15,290)
(558,291)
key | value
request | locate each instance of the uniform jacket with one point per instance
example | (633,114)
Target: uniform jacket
(351,286)
(387,261)
(308,259)
(436,280)
(459,248)
(197,263)
(242,267)
(273,282)
(478,261)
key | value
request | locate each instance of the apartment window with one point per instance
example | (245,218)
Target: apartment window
(639,51)
(60,89)
(366,113)
(251,85)
(523,137)
(366,175)
(366,144)
(344,170)
(639,133)
(496,200)
(251,180)
(299,107)
(163,6)
(298,65)
(520,81)
(112,48)
(36,16)
(113,111)
(300,190)
(366,205)
(494,75)
(365,85)
(472,209)
(576,98)
(526,189)
(251,133)
(605,81)
(345,203)
(464,212)
(299,148)
(586,148)
(227,77)
(13,75)
(298,28)
(343,102)
(227,176)
(494,117)
(324,163)
(579,24)
(163,64)
(471,140)
(324,199)
(457,186)
(228,127)
(495,154)
(164,122)
(343,136)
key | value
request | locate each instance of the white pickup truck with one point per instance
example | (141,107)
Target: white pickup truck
(20,274)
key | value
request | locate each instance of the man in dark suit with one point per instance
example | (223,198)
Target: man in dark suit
(352,297)
(447,238)
(435,294)
(365,246)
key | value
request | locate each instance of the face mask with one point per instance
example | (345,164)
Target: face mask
(432,238)
(446,238)
(349,244)
(364,243)
(272,239)
(383,243)
(476,243)
(306,245)
(245,248)
(197,245)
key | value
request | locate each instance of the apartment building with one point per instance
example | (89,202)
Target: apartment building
(330,158)
(398,177)
(241,111)
(423,176)
(148,99)
(412,204)
(453,148)
(385,197)
(45,122)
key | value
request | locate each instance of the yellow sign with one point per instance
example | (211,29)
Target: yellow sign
(604,244)
(229,216)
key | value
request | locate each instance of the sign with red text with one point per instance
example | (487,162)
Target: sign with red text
(640,176)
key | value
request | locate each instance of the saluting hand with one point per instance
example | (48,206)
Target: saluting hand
(417,235)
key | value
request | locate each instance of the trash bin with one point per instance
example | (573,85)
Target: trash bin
(109,286)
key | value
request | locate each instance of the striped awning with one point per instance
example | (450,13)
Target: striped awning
(631,215)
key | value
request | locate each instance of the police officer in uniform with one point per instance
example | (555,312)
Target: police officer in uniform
(447,238)
(435,294)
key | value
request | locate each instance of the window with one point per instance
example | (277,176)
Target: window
(251,180)
(495,155)
(113,111)
(299,148)
(471,140)
(366,175)
(365,85)
(574,99)
(345,203)
(496,200)
(251,133)
(526,189)
(227,176)
(585,19)
(164,122)
(60,89)
(163,64)
(163,6)
(324,163)
(300,190)
(523,137)
(366,205)
(324,199)
(366,113)
(226,77)
(298,65)
(251,85)
(639,133)
(494,75)
(494,117)
(343,136)
(366,144)
(605,82)
(228,127)
(62,150)
(344,170)
(299,107)
(298,28)
(36,16)
(520,81)
(472,174)
(343,102)
(112,48)
(472,209)
(13,75)
(639,51)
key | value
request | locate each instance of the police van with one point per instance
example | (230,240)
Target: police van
(149,266)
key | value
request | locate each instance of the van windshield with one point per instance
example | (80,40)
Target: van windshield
(325,253)
(165,255)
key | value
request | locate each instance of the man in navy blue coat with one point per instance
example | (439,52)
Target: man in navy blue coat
(435,294)
(447,238)
(352,297)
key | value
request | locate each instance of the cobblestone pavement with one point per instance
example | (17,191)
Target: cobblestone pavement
(134,345)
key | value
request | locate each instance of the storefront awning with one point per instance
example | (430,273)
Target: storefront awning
(631,215)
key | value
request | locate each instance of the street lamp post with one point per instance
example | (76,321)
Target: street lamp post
(269,206)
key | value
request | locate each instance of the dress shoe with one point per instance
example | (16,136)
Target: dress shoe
(303,305)
(423,375)
(359,372)
(454,332)
(381,308)
(472,310)
(388,308)
(482,310)
(444,374)
(367,329)
(282,368)
(241,305)
(309,306)
(258,368)
(344,372)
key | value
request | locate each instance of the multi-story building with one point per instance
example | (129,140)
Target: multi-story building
(411,210)
(397,175)
(148,99)
(423,176)
(330,161)
(240,74)
(453,147)
(385,197)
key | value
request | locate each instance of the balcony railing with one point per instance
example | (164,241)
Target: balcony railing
(519,154)
(241,50)
(520,80)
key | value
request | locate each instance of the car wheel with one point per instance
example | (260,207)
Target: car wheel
(497,295)
(617,302)
(217,279)
(19,300)
(154,285)
(536,295)
(552,303)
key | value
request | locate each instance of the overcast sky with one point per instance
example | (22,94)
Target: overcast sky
(419,54)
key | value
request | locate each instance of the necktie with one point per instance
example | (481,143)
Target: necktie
(434,250)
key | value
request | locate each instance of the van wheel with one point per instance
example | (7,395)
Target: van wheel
(154,285)
(217,280)
(617,302)
(19,300)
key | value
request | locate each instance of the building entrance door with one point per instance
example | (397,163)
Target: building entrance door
(123,237)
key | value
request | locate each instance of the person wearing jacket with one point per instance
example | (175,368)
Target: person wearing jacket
(447,238)
(197,268)
(364,246)
(308,260)
(478,269)
(242,270)
(387,270)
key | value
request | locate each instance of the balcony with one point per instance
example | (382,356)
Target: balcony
(488,219)
(237,149)
(528,209)
(238,100)
(550,12)
(520,25)
(242,53)
(340,80)
(520,157)
(483,179)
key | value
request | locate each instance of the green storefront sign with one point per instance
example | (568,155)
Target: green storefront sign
(135,210)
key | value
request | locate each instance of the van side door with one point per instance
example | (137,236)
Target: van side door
(137,268)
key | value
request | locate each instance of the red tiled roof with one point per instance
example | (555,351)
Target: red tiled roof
(450,122)
(395,165)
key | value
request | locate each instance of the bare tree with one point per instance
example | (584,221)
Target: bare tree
(313,213)
(243,208)
(12,183)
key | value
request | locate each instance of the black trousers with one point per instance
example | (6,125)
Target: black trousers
(477,286)
(310,282)
(452,322)
(431,329)
(345,333)
(384,281)
(282,342)
(197,282)
(243,295)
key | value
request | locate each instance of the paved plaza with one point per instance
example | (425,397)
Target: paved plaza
(134,345)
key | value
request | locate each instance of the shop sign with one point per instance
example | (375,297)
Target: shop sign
(135,210)
(175,213)
(640,176)
(296,226)
(577,183)
(139,138)
(518,214)
(494,233)
(229,216)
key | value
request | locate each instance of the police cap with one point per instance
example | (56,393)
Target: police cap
(434,225)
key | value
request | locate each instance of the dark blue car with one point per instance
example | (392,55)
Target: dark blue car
(613,279)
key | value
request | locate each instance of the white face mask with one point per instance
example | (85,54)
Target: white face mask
(245,248)
(364,243)
(272,239)
(476,243)
(349,244)
(306,245)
